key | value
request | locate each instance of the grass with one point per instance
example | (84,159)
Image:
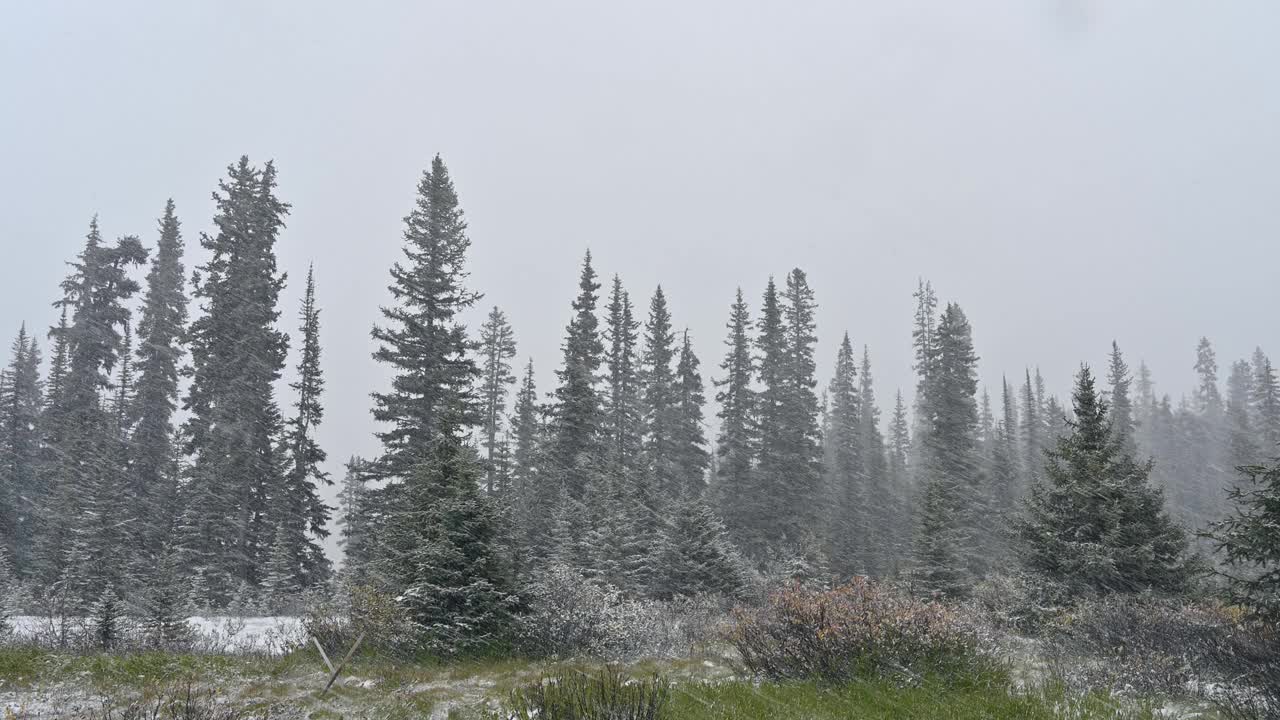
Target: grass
(378,687)
(883,701)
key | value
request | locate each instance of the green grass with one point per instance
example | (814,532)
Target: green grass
(883,701)
(409,690)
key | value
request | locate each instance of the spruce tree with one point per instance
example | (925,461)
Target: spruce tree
(161,334)
(883,507)
(848,527)
(497,348)
(423,340)
(84,530)
(235,428)
(790,460)
(164,619)
(1144,400)
(282,577)
(441,548)
(526,428)
(692,458)
(575,454)
(695,555)
(735,445)
(1121,406)
(1242,438)
(948,546)
(925,345)
(899,482)
(300,513)
(660,405)
(21,492)
(624,421)
(1007,489)
(1266,403)
(1207,396)
(788,492)
(353,520)
(1031,432)
(1249,541)
(1096,524)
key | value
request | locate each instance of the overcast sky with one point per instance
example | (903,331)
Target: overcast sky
(1069,171)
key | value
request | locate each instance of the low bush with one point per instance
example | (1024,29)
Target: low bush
(570,616)
(359,609)
(1147,644)
(603,695)
(862,629)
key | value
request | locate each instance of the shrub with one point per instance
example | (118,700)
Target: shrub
(861,629)
(359,609)
(570,616)
(606,695)
(1018,602)
(1153,644)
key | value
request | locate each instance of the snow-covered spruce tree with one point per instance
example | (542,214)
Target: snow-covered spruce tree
(423,341)
(661,411)
(354,521)
(1031,433)
(848,527)
(1095,524)
(1266,403)
(899,447)
(528,431)
(733,479)
(576,449)
(85,515)
(1249,539)
(901,493)
(281,581)
(108,619)
(623,415)
(575,454)
(789,460)
(20,488)
(1004,475)
(1118,378)
(925,349)
(695,556)
(235,429)
(153,472)
(1242,448)
(884,506)
(497,348)
(301,515)
(947,554)
(165,606)
(692,458)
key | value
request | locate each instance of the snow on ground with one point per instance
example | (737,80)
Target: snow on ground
(215,633)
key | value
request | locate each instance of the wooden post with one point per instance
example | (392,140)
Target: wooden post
(350,652)
(323,656)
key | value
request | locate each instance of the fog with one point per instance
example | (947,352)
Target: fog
(1069,172)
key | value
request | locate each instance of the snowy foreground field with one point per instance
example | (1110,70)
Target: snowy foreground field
(271,635)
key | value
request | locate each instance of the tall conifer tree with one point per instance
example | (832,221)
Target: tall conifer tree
(735,445)
(497,348)
(235,429)
(301,514)
(161,334)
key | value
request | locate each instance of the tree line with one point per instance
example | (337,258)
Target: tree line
(618,472)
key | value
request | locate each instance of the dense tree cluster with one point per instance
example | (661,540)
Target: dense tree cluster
(484,484)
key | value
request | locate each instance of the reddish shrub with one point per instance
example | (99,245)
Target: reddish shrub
(861,629)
